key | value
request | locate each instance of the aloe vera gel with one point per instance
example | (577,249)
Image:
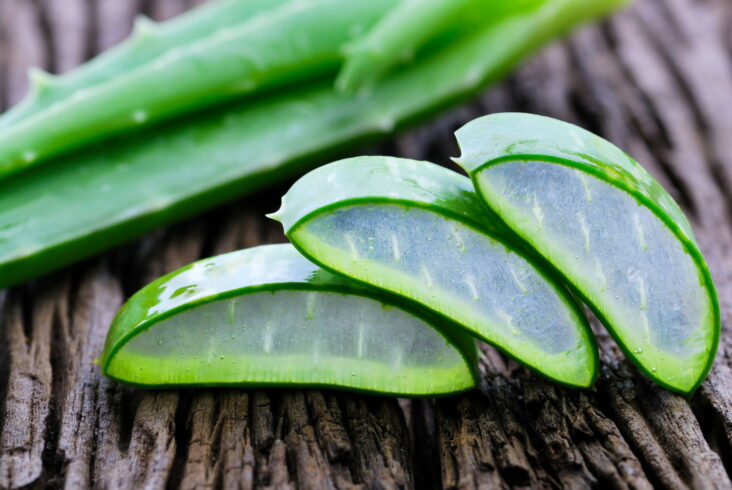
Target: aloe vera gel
(267,316)
(396,265)
(416,230)
(615,234)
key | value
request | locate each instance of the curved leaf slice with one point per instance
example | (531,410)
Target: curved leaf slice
(267,316)
(418,231)
(611,229)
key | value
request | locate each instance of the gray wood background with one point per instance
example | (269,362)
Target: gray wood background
(657,80)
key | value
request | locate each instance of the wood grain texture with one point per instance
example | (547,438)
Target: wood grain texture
(656,80)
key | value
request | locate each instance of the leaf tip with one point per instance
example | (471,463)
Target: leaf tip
(144,27)
(458,160)
(276,216)
(40,79)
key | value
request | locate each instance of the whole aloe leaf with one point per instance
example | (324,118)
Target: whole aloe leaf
(55,214)
(412,25)
(293,42)
(149,40)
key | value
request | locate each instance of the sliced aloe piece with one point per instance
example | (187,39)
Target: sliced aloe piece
(267,316)
(417,230)
(610,228)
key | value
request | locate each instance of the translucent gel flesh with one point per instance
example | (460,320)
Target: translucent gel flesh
(305,337)
(459,272)
(620,254)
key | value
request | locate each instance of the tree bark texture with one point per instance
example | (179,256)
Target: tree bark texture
(656,80)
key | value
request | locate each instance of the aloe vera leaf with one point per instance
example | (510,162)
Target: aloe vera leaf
(293,42)
(266,316)
(55,214)
(408,27)
(614,233)
(416,230)
(395,38)
(148,41)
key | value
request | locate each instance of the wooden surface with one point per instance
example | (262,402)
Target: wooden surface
(657,80)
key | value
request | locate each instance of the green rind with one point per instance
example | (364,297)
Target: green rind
(213,280)
(414,25)
(295,42)
(516,135)
(369,180)
(498,138)
(366,178)
(95,199)
(148,41)
(396,37)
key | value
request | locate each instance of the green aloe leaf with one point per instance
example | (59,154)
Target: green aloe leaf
(414,25)
(52,215)
(266,316)
(149,40)
(610,229)
(418,231)
(293,42)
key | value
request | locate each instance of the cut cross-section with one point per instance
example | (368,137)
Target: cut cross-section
(267,316)
(612,231)
(418,231)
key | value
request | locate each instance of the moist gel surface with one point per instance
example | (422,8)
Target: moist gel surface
(455,270)
(623,258)
(295,337)
(267,316)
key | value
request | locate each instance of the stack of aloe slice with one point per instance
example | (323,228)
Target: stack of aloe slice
(401,263)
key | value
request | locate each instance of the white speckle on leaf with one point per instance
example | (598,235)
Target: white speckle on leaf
(268,340)
(395,247)
(516,279)
(538,212)
(352,247)
(139,116)
(640,233)
(427,276)
(359,345)
(29,156)
(586,185)
(469,280)
(585,230)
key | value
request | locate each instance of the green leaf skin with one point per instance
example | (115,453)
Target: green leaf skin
(615,234)
(149,40)
(294,42)
(396,37)
(55,214)
(418,231)
(410,26)
(265,316)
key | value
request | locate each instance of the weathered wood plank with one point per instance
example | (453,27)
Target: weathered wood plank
(656,79)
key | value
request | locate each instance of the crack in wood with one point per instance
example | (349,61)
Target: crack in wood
(656,79)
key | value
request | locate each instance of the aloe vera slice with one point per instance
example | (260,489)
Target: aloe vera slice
(266,316)
(149,40)
(55,214)
(610,228)
(293,42)
(414,229)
